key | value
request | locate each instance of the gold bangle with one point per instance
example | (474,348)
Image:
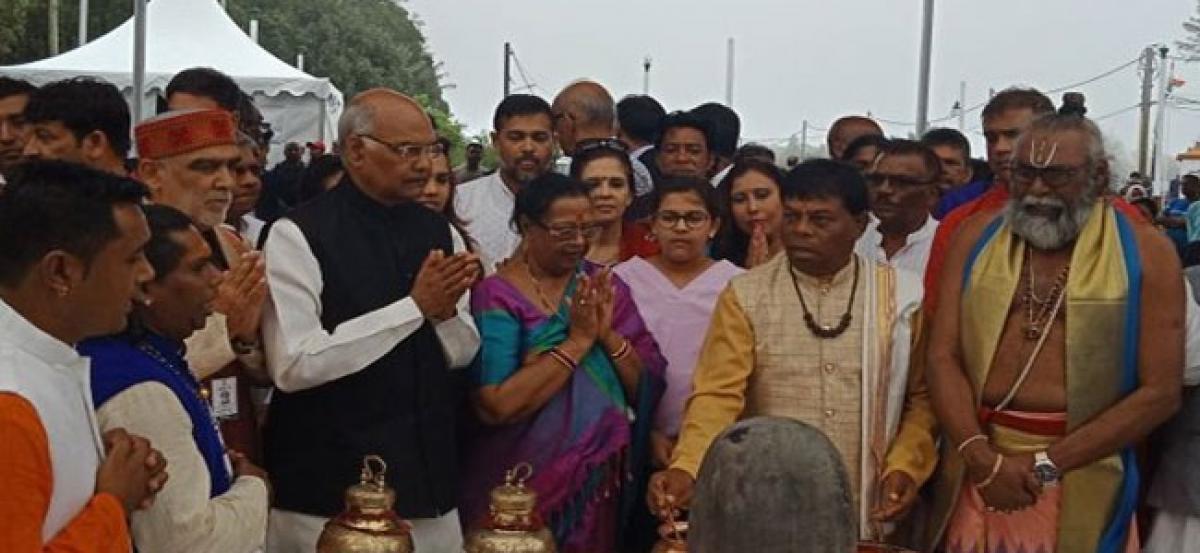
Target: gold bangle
(563,359)
(969,441)
(991,477)
(622,351)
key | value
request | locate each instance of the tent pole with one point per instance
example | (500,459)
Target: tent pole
(321,120)
(139,58)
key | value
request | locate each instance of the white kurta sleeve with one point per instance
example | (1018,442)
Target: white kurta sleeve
(183,517)
(459,336)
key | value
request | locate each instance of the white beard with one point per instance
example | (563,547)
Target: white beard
(1045,233)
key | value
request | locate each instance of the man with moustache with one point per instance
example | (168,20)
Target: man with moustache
(14,95)
(368,314)
(523,136)
(81,120)
(820,335)
(902,185)
(1057,345)
(685,146)
(189,160)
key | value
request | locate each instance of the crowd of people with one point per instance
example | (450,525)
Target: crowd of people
(196,353)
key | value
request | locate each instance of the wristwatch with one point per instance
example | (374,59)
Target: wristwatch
(1044,470)
(241,347)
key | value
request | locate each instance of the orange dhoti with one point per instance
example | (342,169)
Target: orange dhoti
(973,529)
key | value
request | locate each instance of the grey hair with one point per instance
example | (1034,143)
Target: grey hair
(358,118)
(1057,123)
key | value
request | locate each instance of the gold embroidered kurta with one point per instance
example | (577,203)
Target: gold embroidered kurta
(759,358)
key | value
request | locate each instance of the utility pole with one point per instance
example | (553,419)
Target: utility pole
(1164,80)
(507,69)
(300,61)
(923,76)
(83,21)
(1144,126)
(729,73)
(52,31)
(646,76)
(962,106)
(804,139)
(254,30)
(139,58)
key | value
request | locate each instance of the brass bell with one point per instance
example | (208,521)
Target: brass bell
(514,526)
(368,525)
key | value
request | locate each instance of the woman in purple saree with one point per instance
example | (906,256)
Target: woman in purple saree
(567,376)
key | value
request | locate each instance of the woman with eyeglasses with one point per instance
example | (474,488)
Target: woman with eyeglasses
(564,359)
(753,212)
(676,291)
(604,166)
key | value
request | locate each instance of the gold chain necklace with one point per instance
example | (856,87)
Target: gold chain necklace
(1038,316)
(537,287)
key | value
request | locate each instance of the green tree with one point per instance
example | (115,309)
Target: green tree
(1191,43)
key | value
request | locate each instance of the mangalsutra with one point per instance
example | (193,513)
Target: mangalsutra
(823,331)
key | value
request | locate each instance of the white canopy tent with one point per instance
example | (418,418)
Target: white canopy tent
(198,33)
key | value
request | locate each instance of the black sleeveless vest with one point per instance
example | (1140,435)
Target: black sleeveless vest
(401,406)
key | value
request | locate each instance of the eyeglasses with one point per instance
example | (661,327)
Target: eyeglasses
(1054,177)
(875,180)
(409,151)
(589,144)
(566,233)
(691,219)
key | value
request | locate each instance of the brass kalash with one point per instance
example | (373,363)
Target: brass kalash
(514,526)
(368,525)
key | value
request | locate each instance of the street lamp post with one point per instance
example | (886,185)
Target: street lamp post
(923,76)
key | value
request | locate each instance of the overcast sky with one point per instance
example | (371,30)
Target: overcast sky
(811,59)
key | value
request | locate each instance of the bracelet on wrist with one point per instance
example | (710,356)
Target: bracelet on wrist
(963,446)
(242,347)
(622,351)
(991,477)
(569,363)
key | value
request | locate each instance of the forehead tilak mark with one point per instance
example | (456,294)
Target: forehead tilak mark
(1042,152)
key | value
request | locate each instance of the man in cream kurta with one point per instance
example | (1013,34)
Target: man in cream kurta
(761,357)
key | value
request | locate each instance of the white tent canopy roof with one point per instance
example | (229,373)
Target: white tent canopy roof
(180,34)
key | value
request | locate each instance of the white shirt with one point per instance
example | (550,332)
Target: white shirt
(254,228)
(720,176)
(912,257)
(183,517)
(56,381)
(486,207)
(643,180)
(301,354)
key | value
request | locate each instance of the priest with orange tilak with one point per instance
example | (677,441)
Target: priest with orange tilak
(1056,347)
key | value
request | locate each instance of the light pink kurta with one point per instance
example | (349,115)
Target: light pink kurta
(678,318)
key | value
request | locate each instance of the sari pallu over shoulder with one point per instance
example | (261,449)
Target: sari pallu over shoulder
(583,445)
